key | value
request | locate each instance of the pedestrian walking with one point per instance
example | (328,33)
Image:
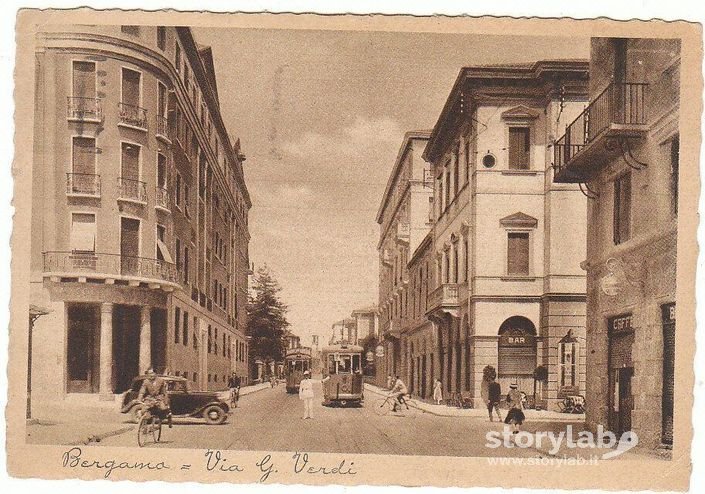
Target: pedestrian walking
(306,395)
(494,396)
(390,381)
(515,416)
(437,392)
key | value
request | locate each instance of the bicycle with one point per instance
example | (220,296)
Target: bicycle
(234,396)
(150,424)
(385,405)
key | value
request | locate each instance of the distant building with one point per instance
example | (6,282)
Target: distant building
(624,151)
(405,217)
(366,323)
(140,213)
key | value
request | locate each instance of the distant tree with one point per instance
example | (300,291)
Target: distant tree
(266,319)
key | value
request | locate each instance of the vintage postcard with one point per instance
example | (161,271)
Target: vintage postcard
(355,250)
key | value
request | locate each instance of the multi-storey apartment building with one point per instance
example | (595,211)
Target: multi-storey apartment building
(419,342)
(404,219)
(139,227)
(366,323)
(508,242)
(624,151)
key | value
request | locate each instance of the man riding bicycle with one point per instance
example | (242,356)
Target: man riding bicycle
(153,394)
(234,385)
(400,391)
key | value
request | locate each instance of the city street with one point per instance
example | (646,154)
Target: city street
(271,420)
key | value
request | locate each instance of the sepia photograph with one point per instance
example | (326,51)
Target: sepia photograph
(260,248)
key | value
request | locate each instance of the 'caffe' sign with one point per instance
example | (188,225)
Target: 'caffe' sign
(621,323)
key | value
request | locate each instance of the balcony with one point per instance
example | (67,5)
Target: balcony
(110,268)
(133,116)
(444,300)
(132,190)
(84,109)
(163,130)
(618,112)
(83,184)
(403,230)
(161,198)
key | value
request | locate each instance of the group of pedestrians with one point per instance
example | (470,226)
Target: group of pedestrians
(492,396)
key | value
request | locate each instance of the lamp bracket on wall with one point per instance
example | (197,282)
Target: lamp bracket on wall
(587,191)
(628,157)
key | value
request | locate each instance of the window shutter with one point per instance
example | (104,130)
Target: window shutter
(130,161)
(84,79)
(83,232)
(84,155)
(519,146)
(518,253)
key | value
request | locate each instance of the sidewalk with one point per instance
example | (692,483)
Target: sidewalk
(446,411)
(73,422)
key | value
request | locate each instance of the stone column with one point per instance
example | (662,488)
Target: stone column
(145,339)
(463,365)
(106,351)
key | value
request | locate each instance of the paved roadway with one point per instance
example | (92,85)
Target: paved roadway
(271,420)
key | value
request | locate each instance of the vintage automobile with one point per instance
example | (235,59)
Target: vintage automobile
(213,406)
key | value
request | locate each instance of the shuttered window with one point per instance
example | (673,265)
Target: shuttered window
(519,146)
(518,253)
(515,361)
(83,155)
(83,232)
(130,167)
(131,87)
(84,79)
(622,208)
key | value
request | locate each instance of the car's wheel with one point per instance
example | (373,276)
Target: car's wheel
(136,413)
(214,415)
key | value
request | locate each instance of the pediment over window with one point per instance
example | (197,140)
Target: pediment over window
(520,112)
(519,220)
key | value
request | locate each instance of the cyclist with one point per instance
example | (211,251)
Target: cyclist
(234,385)
(154,390)
(399,389)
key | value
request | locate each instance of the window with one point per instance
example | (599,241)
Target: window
(178,191)
(622,208)
(185,335)
(161,235)
(455,263)
(675,155)
(177,324)
(186,265)
(131,82)
(447,176)
(210,338)
(439,189)
(465,259)
(161,171)
(519,147)
(178,254)
(195,332)
(186,198)
(518,253)
(131,30)
(224,345)
(161,100)
(456,168)
(84,79)
(83,232)
(568,352)
(467,161)
(177,57)
(83,162)
(161,37)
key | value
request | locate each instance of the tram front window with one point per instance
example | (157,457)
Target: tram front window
(356,363)
(345,364)
(331,365)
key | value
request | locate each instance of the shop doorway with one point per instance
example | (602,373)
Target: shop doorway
(621,371)
(126,346)
(516,354)
(83,348)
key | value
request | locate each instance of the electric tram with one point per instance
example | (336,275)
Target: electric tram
(342,374)
(297,361)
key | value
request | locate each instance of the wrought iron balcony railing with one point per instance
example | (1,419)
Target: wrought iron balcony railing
(108,266)
(161,197)
(83,108)
(132,115)
(132,190)
(163,129)
(83,184)
(620,107)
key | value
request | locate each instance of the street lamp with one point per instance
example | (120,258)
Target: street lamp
(35,312)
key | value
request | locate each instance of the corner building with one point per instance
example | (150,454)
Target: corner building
(139,228)
(508,290)
(624,150)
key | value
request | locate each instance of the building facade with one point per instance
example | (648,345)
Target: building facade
(404,219)
(509,291)
(624,151)
(140,214)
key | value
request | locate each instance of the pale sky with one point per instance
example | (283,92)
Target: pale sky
(321,116)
